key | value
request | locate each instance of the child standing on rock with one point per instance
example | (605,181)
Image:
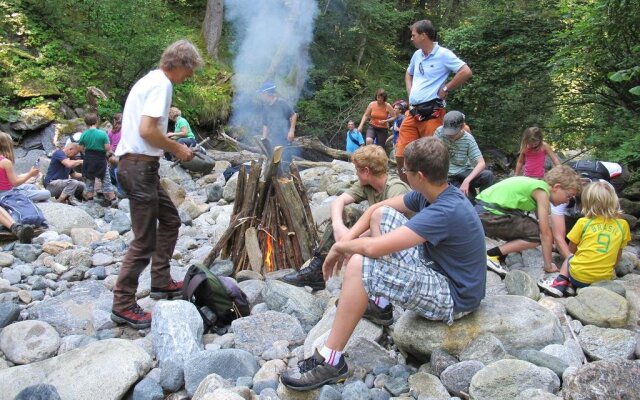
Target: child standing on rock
(97,148)
(597,241)
(533,151)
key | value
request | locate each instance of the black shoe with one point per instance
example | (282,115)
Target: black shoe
(310,276)
(314,372)
(377,315)
(24,233)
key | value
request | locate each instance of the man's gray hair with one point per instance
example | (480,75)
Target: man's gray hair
(181,54)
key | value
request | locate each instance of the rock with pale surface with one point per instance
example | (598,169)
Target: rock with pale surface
(600,307)
(505,379)
(176,330)
(26,342)
(607,344)
(62,217)
(608,379)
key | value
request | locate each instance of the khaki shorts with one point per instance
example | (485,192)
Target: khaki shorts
(510,227)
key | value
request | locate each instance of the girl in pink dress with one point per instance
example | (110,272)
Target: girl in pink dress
(533,151)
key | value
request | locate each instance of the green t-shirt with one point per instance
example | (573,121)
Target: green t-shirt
(181,123)
(513,193)
(392,188)
(94,139)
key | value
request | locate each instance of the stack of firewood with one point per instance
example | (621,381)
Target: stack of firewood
(271,225)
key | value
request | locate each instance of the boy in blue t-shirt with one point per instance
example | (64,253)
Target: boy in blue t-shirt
(433,264)
(354,138)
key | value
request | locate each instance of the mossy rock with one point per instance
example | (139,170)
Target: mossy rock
(32,119)
(36,88)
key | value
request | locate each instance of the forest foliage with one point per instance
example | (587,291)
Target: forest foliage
(571,67)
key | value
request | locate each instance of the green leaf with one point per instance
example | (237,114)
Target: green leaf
(635,90)
(619,76)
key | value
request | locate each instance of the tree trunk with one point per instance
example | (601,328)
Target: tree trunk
(212,26)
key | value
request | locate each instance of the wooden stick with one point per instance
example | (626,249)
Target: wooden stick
(297,180)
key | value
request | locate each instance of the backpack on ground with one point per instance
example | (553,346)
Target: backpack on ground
(22,209)
(592,170)
(219,295)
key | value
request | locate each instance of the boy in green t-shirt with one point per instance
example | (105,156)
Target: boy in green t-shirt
(503,207)
(97,148)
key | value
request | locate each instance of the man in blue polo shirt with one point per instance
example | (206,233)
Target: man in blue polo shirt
(427,87)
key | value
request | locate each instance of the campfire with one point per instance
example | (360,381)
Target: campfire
(271,226)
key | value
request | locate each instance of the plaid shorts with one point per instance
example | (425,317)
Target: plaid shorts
(406,277)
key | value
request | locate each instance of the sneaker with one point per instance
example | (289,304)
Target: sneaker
(554,287)
(172,290)
(493,264)
(24,233)
(310,276)
(134,316)
(314,372)
(377,315)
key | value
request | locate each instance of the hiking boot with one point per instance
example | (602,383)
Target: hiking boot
(314,372)
(493,264)
(134,316)
(24,233)
(172,290)
(377,315)
(556,287)
(310,276)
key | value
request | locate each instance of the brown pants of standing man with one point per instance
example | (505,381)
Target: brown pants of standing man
(149,204)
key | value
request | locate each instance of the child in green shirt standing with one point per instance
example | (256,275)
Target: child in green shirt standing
(97,149)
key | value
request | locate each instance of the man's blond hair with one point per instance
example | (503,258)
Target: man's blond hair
(181,54)
(565,176)
(373,157)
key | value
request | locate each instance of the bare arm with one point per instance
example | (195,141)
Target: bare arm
(69,163)
(480,166)
(337,207)
(559,230)
(107,147)
(546,238)
(17,180)
(554,159)
(459,79)
(181,133)
(408,82)
(151,133)
(292,127)
(520,163)
(365,116)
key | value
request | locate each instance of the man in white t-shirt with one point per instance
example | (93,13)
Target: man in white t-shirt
(154,218)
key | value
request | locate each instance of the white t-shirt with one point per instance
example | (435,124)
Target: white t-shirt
(150,96)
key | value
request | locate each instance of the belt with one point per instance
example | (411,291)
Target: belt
(139,157)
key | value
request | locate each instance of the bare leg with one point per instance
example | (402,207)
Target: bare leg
(517,245)
(5,218)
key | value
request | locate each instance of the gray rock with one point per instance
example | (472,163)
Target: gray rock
(423,384)
(26,342)
(253,289)
(542,359)
(329,393)
(607,379)
(572,356)
(294,301)
(268,375)
(536,394)
(532,326)
(25,270)
(176,331)
(256,333)
(210,384)
(222,267)
(485,348)
(39,392)
(11,275)
(9,312)
(505,379)
(440,360)
(356,390)
(121,222)
(214,192)
(229,192)
(74,274)
(147,389)
(279,350)
(227,363)
(72,342)
(98,273)
(521,284)
(367,354)
(6,259)
(607,344)
(600,307)
(397,385)
(379,394)
(63,217)
(457,377)
(27,252)
(75,311)
(611,285)
(626,264)
(101,259)
(80,257)
(74,373)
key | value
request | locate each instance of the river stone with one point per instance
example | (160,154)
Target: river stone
(293,300)
(318,334)
(78,257)
(121,222)
(229,192)
(541,359)
(75,311)
(63,217)
(72,342)
(614,286)
(626,264)
(31,119)
(12,275)
(505,379)
(630,207)
(176,330)
(537,394)
(457,377)
(606,344)
(485,348)
(600,307)
(570,353)
(171,376)
(367,354)
(56,247)
(26,342)
(606,379)
(38,392)
(210,384)
(176,193)
(86,373)
(9,312)
(253,289)
(532,326)
(439,361)
(268,375)
(228,363)
(214,192)
(6,259)
(84,236)
(521,284)
(101,259)
(27,252)
(424,384)
(256,333)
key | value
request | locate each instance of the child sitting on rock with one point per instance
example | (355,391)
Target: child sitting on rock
(97,148)
(596,242)
(9,180)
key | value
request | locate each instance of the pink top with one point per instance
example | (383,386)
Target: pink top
(4,179)
(114,139)
(534,163)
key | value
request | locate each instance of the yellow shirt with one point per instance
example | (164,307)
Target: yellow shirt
(598,240)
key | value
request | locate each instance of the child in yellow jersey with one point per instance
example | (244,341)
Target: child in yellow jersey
(596,240)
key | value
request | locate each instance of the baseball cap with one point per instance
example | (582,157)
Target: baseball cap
(453,122)
(267,87)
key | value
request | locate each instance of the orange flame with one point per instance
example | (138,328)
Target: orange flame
(268,255)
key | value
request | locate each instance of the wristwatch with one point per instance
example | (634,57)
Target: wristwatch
(445,89)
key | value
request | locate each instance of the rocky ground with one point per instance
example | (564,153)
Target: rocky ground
(57,339)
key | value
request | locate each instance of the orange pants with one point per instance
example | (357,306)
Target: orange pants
(412,129)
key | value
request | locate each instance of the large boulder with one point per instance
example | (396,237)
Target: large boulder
(518,322)
(102,370)
(229,364)
(31,119)
(29,341)
(84,309)
(600,307)
(613,379)
(176,331)
(256,333)
(607,344)
(293,300)
(505,379)
(62,217)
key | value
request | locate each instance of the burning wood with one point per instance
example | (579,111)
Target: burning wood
(271,226)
